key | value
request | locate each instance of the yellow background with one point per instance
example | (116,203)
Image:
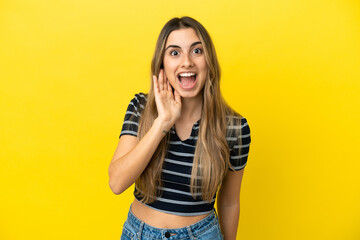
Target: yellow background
(69,68)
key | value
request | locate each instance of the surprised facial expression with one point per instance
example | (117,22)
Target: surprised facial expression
(184,62)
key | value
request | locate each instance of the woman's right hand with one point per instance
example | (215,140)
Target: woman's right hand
(167,103)
(132,156)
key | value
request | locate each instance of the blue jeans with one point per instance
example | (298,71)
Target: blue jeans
(207,228)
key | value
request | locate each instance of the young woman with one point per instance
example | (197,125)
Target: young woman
(181,144)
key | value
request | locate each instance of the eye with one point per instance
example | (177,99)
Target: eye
(174,53)
(197,51)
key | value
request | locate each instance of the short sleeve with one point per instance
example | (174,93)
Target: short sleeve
(132,116)
(240,145)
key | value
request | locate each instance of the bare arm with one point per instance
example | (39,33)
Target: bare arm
(132,156)
(228,204)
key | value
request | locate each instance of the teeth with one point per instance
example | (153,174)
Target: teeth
(186,74)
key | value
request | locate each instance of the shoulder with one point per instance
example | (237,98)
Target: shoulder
(137,103)
(237,122)
(237,129)
(238,139)
(133,114)
(140,99)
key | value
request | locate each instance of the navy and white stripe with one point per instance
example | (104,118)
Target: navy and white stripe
(176,173)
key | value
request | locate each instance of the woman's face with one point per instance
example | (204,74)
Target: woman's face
(184,62)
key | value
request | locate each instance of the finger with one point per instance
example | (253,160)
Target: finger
(177,96)
(165,80)
(169,87)
(156,85)
(167,83)
(161,80)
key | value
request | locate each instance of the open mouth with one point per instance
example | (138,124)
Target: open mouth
(187,80)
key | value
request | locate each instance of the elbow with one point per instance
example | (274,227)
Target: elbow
(116,188)
(115,183)
(118,181)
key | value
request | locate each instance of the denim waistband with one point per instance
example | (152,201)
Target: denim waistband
(190,231)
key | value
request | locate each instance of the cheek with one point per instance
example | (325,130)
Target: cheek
(172,80)
(170,66)
(170,69)
(170,75)
(201,63)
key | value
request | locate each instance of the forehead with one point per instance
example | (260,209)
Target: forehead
(182,37)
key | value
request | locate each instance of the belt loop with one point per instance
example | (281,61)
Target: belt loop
(138,234)
(190,233)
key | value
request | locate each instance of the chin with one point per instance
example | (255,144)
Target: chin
(191,94)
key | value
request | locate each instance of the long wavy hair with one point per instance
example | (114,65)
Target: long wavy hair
(211,157)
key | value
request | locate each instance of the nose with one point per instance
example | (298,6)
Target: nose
(187,61)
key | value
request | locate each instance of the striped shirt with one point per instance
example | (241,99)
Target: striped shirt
(176,197)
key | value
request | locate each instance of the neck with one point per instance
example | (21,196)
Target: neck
(191,108)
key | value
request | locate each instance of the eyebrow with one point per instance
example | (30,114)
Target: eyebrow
(176,46)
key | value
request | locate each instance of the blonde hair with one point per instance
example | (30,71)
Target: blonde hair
(211,158)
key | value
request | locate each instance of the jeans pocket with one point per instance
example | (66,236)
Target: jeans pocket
(127,232)
(212,233)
